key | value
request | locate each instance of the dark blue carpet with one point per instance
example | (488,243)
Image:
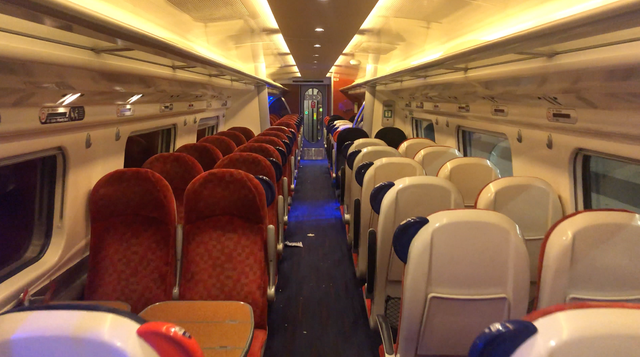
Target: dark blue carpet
(319,310)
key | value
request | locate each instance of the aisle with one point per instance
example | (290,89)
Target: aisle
(319,310)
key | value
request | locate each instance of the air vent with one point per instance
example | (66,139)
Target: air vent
(211,10)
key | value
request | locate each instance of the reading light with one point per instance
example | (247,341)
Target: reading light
(316,55)
(134,98)
(319,29)
(68,98)
(317,45)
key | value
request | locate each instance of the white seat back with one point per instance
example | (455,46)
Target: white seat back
(531,202)
(585,330)
(433,157)
(591,256)
(410,147)
(470,175)
(409,197)
(385,169)
(371,153)
(465,270)
(359,144)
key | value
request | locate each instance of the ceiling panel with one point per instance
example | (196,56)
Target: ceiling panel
(298,19)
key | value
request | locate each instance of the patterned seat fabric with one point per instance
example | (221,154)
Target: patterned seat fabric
(246,132)
(234,136)
(273,118)
(264,150)
(225,145)
(178,170)
(206,155)
(392,136)
(255,165)
(225,220)
(133,224)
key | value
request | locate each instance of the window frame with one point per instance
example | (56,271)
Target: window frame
(422,120)
(582,173)
(171,139)
(463,148)
(56,205)
(208,123)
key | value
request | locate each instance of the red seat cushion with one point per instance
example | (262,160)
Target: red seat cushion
(257,343)
(225,145)
(206,155)
(246,132)
(132,249)
(234,136)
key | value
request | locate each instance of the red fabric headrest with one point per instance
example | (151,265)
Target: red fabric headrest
(271,141)
(206,155)
(287,124)
(236,137)
(263,150)
(225,145)
(253,164)
(225,192)
(274,134)
(177,169)
(132,192)
(246,132)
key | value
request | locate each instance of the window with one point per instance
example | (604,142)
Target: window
(142,145)
(492,146)
(207,127)
(610,183)
(423,128)
(27,204)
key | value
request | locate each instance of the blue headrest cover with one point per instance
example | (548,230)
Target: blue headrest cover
(269,189)
(283,154)
(287,145)
(361,171)
(294,135)
(351,158)
(502,338)
(345,149)
(276,167)
(291,139)
(378,193)
(404,234)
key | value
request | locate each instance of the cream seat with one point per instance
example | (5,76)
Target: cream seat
(385,169)
(456,282)
(433,157)
(410,147)
(405,198)
(591,255)
(470,175)
(368,154)
(531,202)
(584,329)
(353,151)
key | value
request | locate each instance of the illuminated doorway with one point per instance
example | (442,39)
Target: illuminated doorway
(313,106)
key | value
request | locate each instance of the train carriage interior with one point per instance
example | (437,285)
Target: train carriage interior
(358,178)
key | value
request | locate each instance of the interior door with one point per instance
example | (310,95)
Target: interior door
(313,103)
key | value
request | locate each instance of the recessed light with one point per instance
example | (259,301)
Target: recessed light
(134,98)
(319,29)
(317,45)
(68,98)
(315,61)
(316,55)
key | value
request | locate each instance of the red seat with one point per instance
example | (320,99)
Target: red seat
(225,145)
(178,170)
(288,124)
(225,229)
(236,137)
(133,225)
(246,132)
(206,155)
(277,143)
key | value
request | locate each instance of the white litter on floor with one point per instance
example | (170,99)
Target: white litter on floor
(293,244)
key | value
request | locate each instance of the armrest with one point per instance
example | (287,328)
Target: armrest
(293,168)
(176,289)
(342,184)
(371,262)
(271,255)
(280,224)
(356,225)
(285,193)
(386,335)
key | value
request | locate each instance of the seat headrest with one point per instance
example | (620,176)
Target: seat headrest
(275,143)
(269,189)
(246,132)
(404,234)
(264,150)
(177,169)
(225,192)
(206,155)
(132,192)
(392,136)
(351,158)
(378,193)
(225,145)
(350,134)
(502,338)
(283,139)
(234,136)
(361,171)
(253,164)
